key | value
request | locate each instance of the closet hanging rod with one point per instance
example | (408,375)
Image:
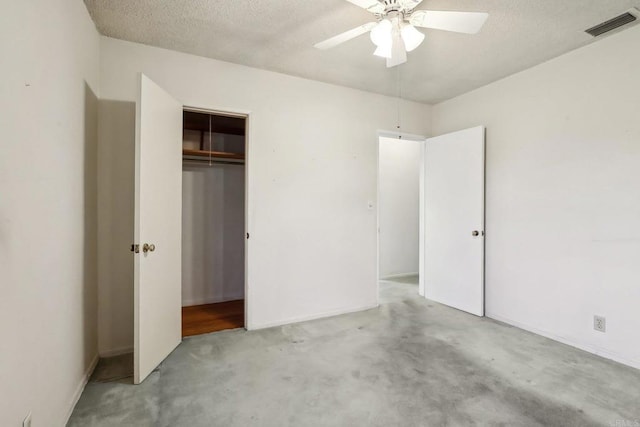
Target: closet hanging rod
(212,154)
(206,161)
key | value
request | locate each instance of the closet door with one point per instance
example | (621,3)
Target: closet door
(453,220)
(158,227)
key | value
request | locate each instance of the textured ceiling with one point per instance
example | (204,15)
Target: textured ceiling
(279,35)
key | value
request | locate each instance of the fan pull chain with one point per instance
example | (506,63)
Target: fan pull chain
(398,126)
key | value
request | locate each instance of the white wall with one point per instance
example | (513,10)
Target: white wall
(48,136)
(212,233)
(563,194)
(116,125)
(399,206)
(312,168)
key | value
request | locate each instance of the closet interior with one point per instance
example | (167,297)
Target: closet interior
(213,222)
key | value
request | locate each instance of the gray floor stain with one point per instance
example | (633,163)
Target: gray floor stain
(410,362)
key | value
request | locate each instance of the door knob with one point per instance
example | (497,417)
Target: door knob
(148,248)
(475,233)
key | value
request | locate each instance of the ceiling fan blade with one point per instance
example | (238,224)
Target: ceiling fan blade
(372,6)
(393,62)
(459,22)
(346,36)
(398,52)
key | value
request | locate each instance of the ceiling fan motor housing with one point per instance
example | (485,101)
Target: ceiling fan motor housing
(404,6)
(391,5)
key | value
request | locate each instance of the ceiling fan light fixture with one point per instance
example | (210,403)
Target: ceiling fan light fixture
(383,51)
(412,38)
(381,33)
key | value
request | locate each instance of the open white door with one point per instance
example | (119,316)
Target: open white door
(158,227)
(453,209)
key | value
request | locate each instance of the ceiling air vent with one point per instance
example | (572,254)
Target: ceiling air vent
(612,24)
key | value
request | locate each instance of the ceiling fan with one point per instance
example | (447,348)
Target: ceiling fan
(394,32)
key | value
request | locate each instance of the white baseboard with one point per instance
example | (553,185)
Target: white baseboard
(81,386)
(202,301)
(116,351)
(607,354)
(396,276)
(253,327)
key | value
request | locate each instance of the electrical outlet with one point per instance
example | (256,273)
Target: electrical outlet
(27,421)
(599,323)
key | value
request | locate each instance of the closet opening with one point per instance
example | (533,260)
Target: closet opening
(213,221)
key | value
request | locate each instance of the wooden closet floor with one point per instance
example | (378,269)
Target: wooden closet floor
(202,319)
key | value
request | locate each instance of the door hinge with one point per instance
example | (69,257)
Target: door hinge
(135,248)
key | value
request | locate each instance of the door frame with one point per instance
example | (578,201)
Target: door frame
(400,136)
(245,114)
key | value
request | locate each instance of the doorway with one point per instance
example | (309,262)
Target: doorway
(162,147)
(431,218)
(213,221)
(399,167)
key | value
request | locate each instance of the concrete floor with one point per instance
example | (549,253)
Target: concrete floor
(410,362)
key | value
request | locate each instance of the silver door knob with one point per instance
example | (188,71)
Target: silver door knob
(475,233)
(148,247)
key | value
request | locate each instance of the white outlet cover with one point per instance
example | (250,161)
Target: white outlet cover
(600,323)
